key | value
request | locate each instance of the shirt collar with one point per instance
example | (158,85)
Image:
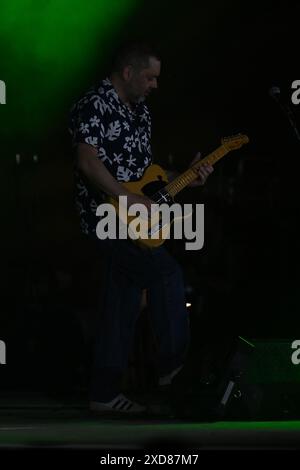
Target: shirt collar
(113,96)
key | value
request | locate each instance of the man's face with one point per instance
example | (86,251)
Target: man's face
(140,83)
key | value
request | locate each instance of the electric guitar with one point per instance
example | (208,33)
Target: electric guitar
(152,231)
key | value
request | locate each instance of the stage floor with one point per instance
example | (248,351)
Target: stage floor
(35,422)
(74,428)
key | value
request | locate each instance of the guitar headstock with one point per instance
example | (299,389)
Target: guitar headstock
(235,142)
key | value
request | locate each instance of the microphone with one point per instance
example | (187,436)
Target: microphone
(274,92)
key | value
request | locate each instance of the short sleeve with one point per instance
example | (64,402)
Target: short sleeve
(88,122)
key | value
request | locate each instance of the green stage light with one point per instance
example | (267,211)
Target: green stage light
(47,46)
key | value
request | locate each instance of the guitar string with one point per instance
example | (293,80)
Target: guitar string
(212,158)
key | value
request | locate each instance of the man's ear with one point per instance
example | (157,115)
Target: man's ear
(127,72)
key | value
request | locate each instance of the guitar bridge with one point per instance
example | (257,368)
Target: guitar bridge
(163,197)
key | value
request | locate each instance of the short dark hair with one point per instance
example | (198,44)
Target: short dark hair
(134,53)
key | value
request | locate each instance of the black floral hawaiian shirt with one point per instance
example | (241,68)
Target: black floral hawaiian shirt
(121,137)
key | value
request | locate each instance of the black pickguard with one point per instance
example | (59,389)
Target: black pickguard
(151,188)
(155,186)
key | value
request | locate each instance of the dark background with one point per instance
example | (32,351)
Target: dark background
(219,60)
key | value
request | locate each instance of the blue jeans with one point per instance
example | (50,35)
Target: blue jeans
(128,269)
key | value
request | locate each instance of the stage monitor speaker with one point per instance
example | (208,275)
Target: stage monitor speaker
(227,396)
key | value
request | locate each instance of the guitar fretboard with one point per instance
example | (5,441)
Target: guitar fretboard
(191,174)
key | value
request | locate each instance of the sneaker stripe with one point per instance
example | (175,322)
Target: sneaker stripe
(129,406)
(124,405)
(116,404)
(119,403)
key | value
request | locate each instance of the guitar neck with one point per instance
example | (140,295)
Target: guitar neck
(191,174)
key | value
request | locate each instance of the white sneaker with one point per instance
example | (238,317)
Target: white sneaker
(167,379)
(119,404)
